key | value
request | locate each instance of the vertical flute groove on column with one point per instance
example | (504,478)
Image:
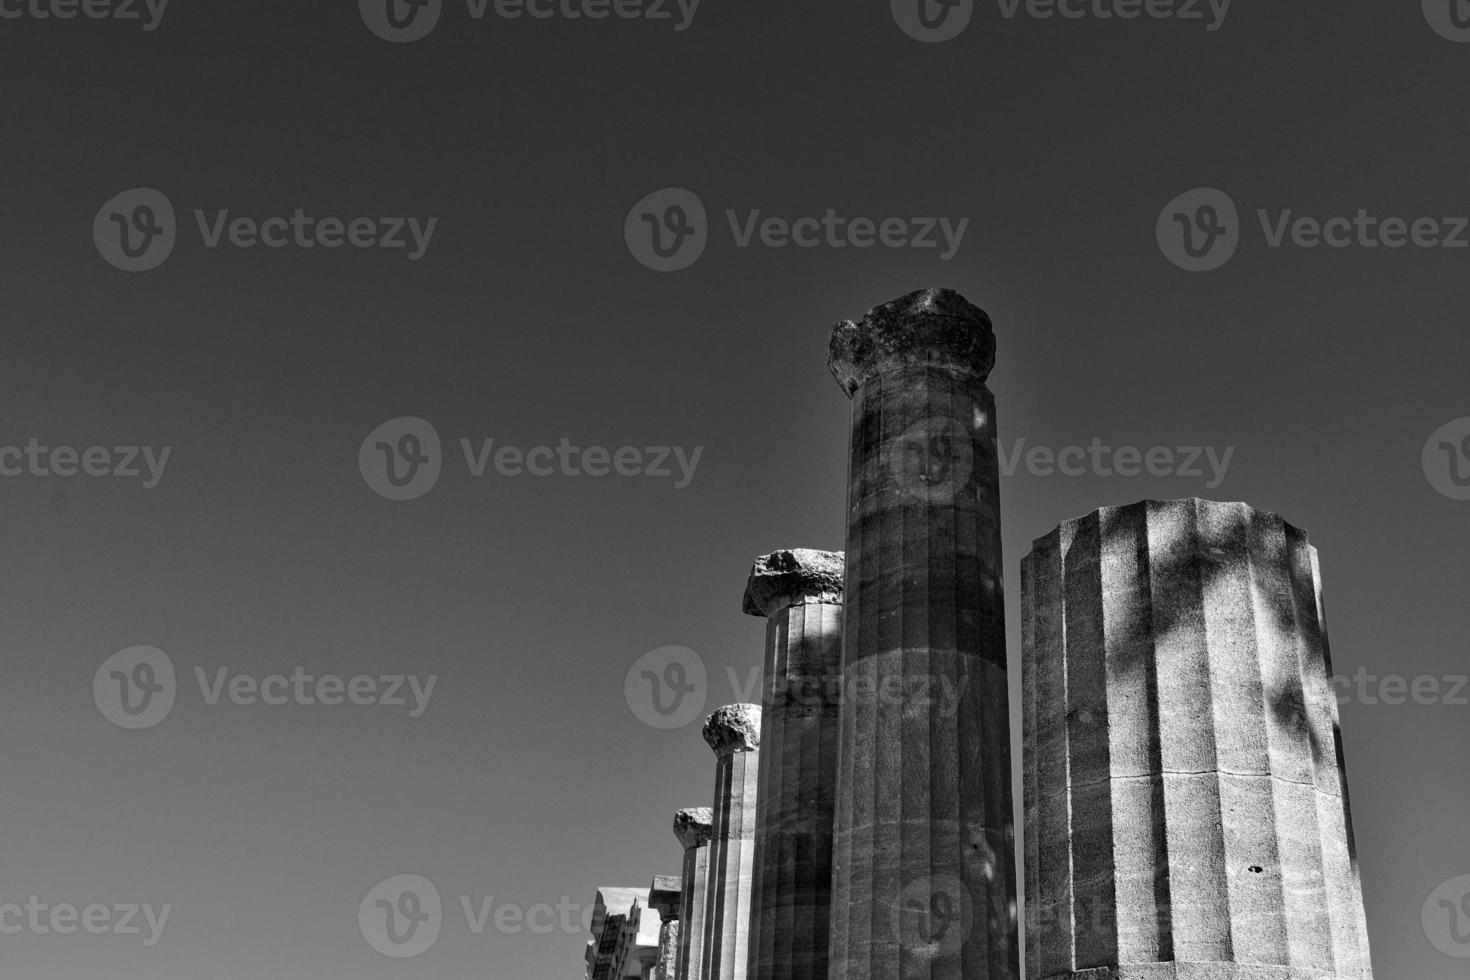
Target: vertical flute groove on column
(923,878)
(1186,804)
(692,827)
(800,594)
(733,734)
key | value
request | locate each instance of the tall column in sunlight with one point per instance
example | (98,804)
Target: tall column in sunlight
(692,827)
(733,734)
(799,592)
(923,877)
(1186,801)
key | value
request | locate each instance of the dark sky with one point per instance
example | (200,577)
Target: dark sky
(527,320)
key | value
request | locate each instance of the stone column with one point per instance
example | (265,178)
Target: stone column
(668,950)
(1186,803)
(800,594)
(923,876)
(665,896)
(733,733)
(692,827)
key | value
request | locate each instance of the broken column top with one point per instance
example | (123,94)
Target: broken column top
(797,577)
(692,826)
(734,728)
(938,327)
(1213,516)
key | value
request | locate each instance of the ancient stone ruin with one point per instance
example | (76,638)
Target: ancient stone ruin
(1186,806)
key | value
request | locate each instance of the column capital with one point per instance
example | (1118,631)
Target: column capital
(795,577)
(734,728)
(936,327)
(692,826)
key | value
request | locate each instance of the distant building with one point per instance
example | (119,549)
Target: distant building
(628,926)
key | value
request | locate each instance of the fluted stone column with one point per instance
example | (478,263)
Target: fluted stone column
(665,896)
(668,950)
(923,878)
(733,733)
(1186,803)
(692,827)
(800,594)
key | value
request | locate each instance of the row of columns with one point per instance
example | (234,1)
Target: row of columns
(1185,796)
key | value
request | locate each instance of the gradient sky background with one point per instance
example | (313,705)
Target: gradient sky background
(529,778)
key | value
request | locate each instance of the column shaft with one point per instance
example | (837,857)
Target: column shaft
(799,593)
(923,871)
(692,827)
(733,732)
(1186,801)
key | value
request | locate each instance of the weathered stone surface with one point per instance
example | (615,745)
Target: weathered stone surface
(1186,804)
(734,728)
(793,578)
(800,593)
(923,881)
(692,826)
(926,328)
(667,966)
(733,733)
